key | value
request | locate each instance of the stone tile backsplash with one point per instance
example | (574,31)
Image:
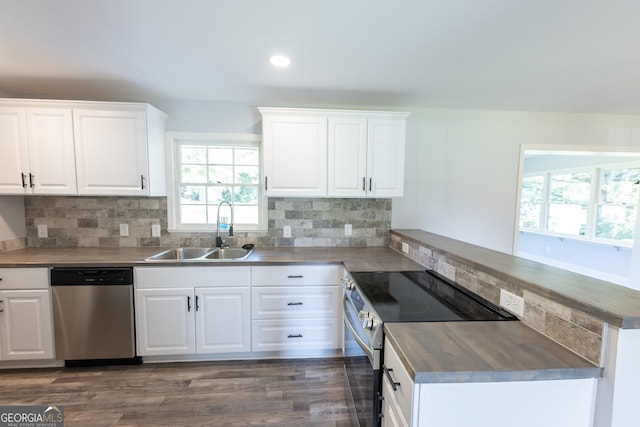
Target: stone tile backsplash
(578,331)
(95,222)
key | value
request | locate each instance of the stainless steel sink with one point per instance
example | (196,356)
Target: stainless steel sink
(228,253)
(201,254)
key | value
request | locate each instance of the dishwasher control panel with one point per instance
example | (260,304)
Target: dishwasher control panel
(70,276)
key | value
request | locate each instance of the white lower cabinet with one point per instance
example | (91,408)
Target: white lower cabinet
(183,311)
(222,320)
(174,317)
(295,308)
(26,325)
(397,390)
(165,322)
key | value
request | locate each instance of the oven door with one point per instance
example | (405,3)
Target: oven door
(361,372)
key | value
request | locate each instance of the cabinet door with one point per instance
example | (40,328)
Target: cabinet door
(52,166)
(385,157)
(111,150)
(347,157)
(13,150)
(295,155)
(223,320)
(165,321)
(26,326)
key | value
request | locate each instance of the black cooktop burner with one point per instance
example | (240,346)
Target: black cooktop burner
(422,296)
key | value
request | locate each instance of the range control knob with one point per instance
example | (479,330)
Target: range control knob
(367,323)
(348,284)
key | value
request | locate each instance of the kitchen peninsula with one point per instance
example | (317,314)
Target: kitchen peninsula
(479,269)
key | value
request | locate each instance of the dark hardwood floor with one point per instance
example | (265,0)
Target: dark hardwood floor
(301,392)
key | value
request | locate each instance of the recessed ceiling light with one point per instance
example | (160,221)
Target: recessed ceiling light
(279,60)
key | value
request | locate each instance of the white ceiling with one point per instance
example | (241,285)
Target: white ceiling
(544,55)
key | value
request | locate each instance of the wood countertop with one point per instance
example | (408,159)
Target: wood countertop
(614,304)
(355,259)
(452,352)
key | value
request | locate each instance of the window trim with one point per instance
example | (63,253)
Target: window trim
(172,140)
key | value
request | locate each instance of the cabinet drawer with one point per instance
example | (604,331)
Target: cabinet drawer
(392,416)
(294,334)
(295,301)
(176,277)
(396,370)
(24,278)
(296,275)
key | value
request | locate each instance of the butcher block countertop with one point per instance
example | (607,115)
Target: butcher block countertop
(455,352)
(355,259)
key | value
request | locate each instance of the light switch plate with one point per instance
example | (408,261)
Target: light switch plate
(348,229)
(155,230)
(124,230)
(286,231)
(42,230)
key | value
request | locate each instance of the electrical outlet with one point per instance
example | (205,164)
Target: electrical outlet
(286,231)
(405,247)
(511,302)
(155,230)
(124,230)
(42,230)
(348,229)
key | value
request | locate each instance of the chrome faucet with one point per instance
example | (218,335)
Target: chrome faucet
(218,238)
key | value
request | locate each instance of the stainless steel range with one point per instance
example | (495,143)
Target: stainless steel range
(374,298)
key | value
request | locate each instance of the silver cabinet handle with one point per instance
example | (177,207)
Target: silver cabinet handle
(295,303)
(294,336)
(142,182)
(298,276)
(188,303)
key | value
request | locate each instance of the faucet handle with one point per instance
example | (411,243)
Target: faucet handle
(231,230)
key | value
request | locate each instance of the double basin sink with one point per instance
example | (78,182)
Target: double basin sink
(202,254)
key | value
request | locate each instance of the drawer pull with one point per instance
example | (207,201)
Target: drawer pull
(294,336)
(298,276)
(295,303)
(387,372)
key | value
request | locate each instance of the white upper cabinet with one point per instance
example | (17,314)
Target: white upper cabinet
(385,157)
(51,157)
(14,161)
(347,166)
(80,147)
(37,151)
(295,154)
(115,150)
(335,153)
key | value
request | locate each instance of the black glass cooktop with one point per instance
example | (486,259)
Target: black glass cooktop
(422,296)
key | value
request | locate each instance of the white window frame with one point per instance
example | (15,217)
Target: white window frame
(172,141)
(590,234)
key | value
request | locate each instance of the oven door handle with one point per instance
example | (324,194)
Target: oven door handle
(363,345)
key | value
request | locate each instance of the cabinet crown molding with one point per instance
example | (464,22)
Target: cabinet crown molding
(333,112)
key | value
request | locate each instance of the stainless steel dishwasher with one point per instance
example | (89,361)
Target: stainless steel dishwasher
(93,315)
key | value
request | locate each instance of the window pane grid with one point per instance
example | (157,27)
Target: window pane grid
(207,175)
(595,205)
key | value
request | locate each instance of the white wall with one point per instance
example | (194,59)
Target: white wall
(12,223)
(462,167)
